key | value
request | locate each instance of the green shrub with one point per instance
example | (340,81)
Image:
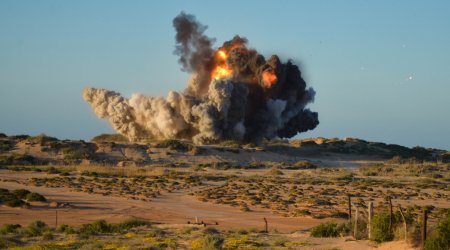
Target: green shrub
(118,138)
(94,228)
(6,242)
(20,193)
(380,228)
(6,145)
(130,223)
(9,228)
(66,229)
(302,165)
(35,197)
(327,229)
(174,145)
(439,239)
(10,198)
(47,235)
(19,137)
(211,242)
(73,154)
(35,228)
(338,214)
(17,159)
(103,227)
(14,203)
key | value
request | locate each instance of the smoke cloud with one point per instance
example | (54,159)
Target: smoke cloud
(234,93)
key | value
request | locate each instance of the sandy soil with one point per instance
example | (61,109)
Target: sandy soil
(177,207)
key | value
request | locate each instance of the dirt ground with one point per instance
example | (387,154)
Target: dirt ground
(174,209)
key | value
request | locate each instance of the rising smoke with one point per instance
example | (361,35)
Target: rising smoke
(234,93)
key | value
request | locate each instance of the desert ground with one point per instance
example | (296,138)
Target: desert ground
(227,191)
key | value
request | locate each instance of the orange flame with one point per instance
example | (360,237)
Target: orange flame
(221,73)
(269,78)
(222,55)
(221,70)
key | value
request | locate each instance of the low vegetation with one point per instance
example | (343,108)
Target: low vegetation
(440,238)
(19,198)
(136,233)
(117,138)
(328,229)
(174,145)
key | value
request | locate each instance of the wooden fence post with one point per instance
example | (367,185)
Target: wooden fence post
(349,207)
(424,226)
(391,217)
(56,218)
(405,227)
(355,230)
(369,219)
(266,228)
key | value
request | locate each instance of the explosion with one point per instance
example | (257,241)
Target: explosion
(234,94)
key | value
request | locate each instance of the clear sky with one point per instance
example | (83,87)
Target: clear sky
(381,69)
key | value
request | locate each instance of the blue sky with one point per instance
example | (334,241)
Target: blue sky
(381,69)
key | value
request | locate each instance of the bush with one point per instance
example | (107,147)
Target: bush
(47,235)
(327,229)
(14,203)
(35,197)
(9,228)
(130,223)
(339,214)
(211,230)
(380,228)
(74,154)
(20,193)
(302,165)
(211,242)
(118,138)
(94,228)
(17,159)
(103,227)
(6,243)
(440,239)
(10,198)
(66,229)
(35,228)
(174,145)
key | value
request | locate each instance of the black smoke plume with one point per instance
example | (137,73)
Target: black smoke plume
(234,93)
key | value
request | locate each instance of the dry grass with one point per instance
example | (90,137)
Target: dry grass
(129,171)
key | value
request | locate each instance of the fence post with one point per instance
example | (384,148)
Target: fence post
(349,207)
(266,228)
(355,230)
(405,227)
(56,218)
(424,226)
(369,219)
(391,217)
